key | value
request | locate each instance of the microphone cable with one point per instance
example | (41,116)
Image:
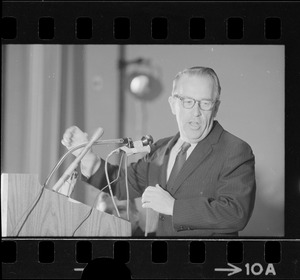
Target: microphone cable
(108,181)
(39,195)
(96,199)
(28,211)
(126,180)
(126,185)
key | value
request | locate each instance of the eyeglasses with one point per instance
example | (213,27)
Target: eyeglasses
(189,103)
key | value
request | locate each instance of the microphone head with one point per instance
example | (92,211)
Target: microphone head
(97,134)
(147,140)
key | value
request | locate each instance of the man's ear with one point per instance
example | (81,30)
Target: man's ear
(172,104)
(216,108)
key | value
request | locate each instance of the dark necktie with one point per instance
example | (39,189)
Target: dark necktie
(180,160)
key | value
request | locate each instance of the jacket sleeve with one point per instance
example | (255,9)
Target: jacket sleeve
(136,178)
(137,175)
(232,205)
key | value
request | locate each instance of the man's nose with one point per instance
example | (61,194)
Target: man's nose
(197,110)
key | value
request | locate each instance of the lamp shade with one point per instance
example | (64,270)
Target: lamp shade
(143,85)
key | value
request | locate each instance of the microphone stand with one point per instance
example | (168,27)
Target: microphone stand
(62,159)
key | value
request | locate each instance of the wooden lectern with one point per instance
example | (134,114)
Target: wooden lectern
(54,215)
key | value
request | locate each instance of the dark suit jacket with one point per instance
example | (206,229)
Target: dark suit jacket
(214,191)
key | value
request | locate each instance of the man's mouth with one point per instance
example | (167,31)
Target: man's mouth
(195,124)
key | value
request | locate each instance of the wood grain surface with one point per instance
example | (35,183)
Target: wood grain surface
(54,214)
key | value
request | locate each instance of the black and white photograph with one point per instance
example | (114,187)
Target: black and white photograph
(143,141)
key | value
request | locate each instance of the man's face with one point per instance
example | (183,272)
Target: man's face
(194,124)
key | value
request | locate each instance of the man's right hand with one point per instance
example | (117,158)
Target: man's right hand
(74,136)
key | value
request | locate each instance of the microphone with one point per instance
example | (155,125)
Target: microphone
(140,146)
(97,134)
(145,141)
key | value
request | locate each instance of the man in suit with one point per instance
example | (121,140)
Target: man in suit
(202,180)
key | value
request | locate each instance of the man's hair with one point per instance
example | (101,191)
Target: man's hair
(199,71)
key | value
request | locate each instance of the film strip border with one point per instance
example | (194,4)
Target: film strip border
(148,22)
(170,259)
(121,30)
(84,28)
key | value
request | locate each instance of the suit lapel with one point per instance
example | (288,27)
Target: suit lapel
(201,151)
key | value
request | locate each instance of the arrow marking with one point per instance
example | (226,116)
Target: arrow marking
(233,270)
